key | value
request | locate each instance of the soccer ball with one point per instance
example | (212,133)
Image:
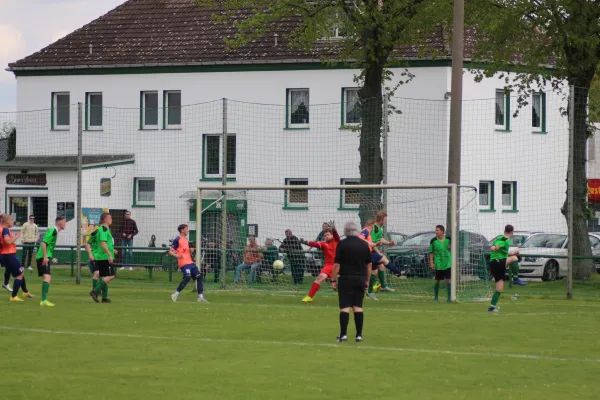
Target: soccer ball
(54,260)
(278,265)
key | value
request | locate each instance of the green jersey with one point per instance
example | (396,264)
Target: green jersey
(105,236)
(50,240)
(376,233)
(270,255)
(94,243)
(441,253)
(503,244)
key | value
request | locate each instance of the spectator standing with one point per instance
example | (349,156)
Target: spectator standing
(129,231)
(293,247)
(30,234)
(321,235)
(252,258)
(350,276)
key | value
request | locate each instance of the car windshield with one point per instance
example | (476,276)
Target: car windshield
(546,241)
(421,239)
(397,237)
(518,240)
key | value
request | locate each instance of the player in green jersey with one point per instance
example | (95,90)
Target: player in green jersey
(440,261)
(380,262)
(104,258)
(500,259)
(92,246)
(44,257)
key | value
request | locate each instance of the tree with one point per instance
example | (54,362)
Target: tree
(372,30)
(8,130)
(548,41)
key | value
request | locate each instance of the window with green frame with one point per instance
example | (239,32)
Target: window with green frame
(93,111)
(486,196)
(351,114)
(61,111)
(212,157)
(509,196)
(149,110)
(172,109)
(144,191)
(297,109)
(538,112)
(296,198)
(349,198)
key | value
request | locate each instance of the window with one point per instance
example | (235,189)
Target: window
(143,192)
(61,110)
(486,196)
(296,198)
(538,112)
(149,110)
(350,198)
(502,110)
(213,151)
(172,110)
(22,207)
(93,116)
(350,106)
(297,108)
(509,196)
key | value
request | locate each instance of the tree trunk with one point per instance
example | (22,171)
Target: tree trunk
(582,268)
(12,145)
(371,163)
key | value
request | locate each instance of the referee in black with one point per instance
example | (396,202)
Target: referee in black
(352,270)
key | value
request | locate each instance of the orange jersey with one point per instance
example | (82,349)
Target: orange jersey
(181,245)
(365,235)
(7,248)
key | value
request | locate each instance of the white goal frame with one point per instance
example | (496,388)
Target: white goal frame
(451,187)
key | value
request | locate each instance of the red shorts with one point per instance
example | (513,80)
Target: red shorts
(328,270)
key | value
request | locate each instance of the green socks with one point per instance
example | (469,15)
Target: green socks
(436,290)
(495,298)
(381,276)
(449,292)
(94,283)
(514,268)
(372,281)
(105,292)
(99,286)
(45,287)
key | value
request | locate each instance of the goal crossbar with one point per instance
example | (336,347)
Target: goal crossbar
(452,187)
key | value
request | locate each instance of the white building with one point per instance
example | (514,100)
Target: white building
(151,79)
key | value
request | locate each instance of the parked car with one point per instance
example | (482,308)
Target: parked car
(412,256)
(596,253)
(544,256)
(518,238)
(397,237)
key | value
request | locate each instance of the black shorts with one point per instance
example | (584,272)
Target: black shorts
(498,269)
(443,274)
(92,266)
(105,268)
(41,269)
(351,291)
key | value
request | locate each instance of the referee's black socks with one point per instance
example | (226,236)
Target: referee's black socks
(344,319)
(358,321)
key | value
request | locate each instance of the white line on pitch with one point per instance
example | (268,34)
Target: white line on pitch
(306,344)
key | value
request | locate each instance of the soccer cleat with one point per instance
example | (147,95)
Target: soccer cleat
(376,288)
(27,295)
(387,289)
(46,303)
(94,296)
(174,297)
(106,301)
(122,269)
(29,268)
(341,339)
(494,309)
(359,339)
(372,296)
(7,287)
(202,300)
(307,299)
(436,301)
(519,282)
(131,268)
(16,299)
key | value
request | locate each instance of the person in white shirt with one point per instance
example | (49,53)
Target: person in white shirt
(30,234)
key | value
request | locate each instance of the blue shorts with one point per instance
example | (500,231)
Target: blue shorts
(190,270)
(375,259)
(12,264)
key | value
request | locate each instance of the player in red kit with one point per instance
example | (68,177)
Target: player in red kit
(328,247)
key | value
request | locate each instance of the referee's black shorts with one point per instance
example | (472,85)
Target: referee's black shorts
(351,291)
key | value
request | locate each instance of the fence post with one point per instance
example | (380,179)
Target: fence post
(570,185)
(223,265)
(79,171)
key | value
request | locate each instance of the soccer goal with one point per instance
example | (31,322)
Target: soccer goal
(265,235)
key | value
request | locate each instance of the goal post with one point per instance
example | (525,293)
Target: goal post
(270,210)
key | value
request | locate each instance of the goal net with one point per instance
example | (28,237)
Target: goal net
(265,235)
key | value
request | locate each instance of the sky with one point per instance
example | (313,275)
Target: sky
(27,26)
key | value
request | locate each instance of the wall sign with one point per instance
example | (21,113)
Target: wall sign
(66,210)
(105,187)
(26,179)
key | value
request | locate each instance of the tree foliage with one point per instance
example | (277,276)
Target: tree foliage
(371,32)
(548,42)
(8,130)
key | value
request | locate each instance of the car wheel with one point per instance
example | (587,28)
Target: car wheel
(550,271)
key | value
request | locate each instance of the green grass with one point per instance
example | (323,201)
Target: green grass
(250,345)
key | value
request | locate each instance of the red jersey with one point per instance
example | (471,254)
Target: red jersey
(181,245)
(7,248)
(328,248)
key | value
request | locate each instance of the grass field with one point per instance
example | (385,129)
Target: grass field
(249,345)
